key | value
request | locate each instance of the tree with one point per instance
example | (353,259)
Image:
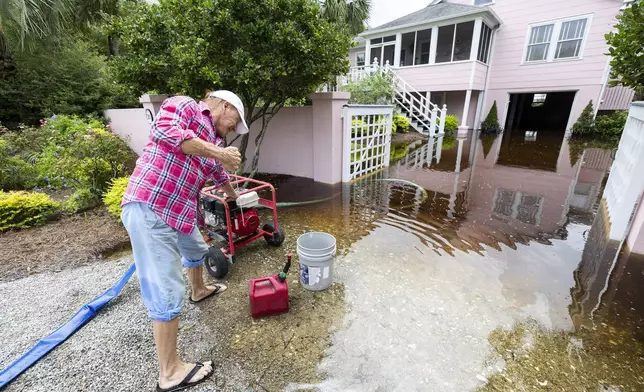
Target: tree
(585,124)
(491,122)
(269,52)
(24,22)
(350,13)
(627,61)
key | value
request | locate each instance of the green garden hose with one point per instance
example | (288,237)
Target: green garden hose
(424,197)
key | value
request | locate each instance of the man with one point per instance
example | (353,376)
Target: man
(159,212)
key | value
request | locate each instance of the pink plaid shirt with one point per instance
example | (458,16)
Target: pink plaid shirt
(165,178)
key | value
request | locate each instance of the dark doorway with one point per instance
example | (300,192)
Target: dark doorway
(539,111)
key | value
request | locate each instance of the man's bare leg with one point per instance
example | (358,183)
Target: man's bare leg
(171,369)
(198,288)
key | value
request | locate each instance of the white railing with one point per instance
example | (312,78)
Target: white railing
(424,115)
(625,184)
(366,139)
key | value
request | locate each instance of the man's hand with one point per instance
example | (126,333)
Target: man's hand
(228,189)
(230,158)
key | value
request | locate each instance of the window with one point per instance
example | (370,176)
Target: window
(539,43)
(558,40)
(483,2)
(570,39)
(423,43)
(407,46)
(454,42)
(512,204)
(485,44)
(383,50)
(360,59)
(539,100)
(445,44)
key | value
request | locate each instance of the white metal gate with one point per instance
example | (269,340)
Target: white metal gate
(626,181)
(366,139)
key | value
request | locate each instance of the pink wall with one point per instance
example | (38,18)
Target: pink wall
(299,141)
(288,140)
(508,74)
(131,125)
(438,77)
(455,101)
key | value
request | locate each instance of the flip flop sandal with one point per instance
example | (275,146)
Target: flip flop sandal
(219,288)
(185,383)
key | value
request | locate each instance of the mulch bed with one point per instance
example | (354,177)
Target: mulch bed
(66,243)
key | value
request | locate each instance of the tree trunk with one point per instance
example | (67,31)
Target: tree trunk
(111,46)
(242,150)
(258,143)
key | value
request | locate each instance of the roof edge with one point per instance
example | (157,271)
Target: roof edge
(401,27)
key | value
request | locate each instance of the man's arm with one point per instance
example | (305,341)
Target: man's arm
(229,157)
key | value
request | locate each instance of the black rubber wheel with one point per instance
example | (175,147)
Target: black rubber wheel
(216,263)
(277,238)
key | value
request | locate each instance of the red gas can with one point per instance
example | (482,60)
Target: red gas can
(269,295)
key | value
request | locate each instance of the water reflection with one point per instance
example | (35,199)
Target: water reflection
(482,192)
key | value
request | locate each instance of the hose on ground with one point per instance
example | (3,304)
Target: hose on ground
(423,199)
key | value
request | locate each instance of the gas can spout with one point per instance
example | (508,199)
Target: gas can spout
(282,275)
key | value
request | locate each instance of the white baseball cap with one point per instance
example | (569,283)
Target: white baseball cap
(234,100)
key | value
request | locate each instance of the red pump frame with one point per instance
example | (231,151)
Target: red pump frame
(271,204)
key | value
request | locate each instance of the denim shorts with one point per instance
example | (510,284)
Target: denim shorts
(159,253)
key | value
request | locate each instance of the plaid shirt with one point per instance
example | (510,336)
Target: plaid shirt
(165,178)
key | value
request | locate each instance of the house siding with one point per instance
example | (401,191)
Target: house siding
(438,77)
(585,76)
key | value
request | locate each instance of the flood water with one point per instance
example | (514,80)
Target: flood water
(440,285)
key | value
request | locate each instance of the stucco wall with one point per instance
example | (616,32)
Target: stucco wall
(131,125)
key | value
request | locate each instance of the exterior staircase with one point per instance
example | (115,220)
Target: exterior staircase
(423,115)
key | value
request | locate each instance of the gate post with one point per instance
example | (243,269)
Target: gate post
(327,136)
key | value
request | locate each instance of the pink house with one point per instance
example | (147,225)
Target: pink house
(542,62)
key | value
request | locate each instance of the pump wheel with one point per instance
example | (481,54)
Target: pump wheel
(216,263)
(277,238)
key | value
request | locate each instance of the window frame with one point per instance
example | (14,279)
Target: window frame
(364,58)
(554,39)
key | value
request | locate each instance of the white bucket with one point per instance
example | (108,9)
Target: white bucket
(316,252)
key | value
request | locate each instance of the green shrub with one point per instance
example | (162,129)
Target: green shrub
(611,126)
(83,153)
(81,200)
(585,124)
(451,123)
(114,195)
(15,174)
(400,124)
(372,89)
(20,210)
(491,122)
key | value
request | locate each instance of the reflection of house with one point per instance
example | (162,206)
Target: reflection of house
(532,58)
(482,197)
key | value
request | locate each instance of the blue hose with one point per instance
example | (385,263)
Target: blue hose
(54,339)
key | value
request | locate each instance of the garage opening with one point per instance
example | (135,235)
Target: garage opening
(535,128)
(540,111)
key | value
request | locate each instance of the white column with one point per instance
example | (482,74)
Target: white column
(466,112)
(367,53)
(476,39)
(432,46)
(397,50)
(429,101)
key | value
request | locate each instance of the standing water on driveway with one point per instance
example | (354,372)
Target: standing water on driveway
(487,282)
